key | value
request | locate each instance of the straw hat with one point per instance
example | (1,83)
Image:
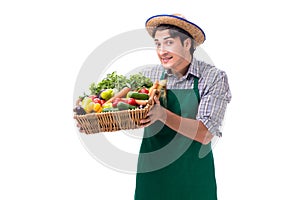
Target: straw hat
(179,21)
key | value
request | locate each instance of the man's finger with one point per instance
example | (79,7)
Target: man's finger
(156,99)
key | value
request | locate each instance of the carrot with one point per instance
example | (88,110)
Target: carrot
(154,86)
(120,94)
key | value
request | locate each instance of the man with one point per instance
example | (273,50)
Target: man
(182,125)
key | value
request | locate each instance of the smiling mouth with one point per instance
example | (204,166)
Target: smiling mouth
(166,59)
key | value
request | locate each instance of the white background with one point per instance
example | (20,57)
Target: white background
(43,45)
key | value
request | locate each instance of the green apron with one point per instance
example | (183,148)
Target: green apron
(169,166)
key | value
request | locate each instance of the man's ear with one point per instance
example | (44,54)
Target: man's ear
(187,43)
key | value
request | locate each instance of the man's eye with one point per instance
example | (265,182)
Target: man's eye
(157,44)
(169,42)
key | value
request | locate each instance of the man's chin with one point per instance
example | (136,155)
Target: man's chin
(167,66)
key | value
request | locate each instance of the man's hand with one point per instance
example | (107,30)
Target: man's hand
(157,112)
(191,128)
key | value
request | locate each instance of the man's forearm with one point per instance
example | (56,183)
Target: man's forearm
(191,128)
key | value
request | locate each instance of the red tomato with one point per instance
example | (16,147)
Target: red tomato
(97,100)
(131,101)
(144,90)
(102,101)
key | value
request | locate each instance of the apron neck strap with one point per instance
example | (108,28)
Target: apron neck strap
(163,75)
(196,89)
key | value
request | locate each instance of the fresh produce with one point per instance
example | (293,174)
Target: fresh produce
(162,84)
(85,104)
(137,81)
(93,97)
(141,102)
(79,110)
(97,107)
(162,89)
(120,94)
(97,100)
(89,107)
(107,94)
(144,90)
(110,109)
(154,86)
(115,102)
(131,101)
(137,95)
(125,106)
(115,81)
(102,101)
(107,105)
(111,81)
(115,93)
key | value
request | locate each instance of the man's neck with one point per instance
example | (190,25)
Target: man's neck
(184,70)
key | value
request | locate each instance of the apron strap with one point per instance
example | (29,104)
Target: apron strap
(163,75)
(196,89)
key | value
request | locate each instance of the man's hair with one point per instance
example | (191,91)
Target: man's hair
(176,32)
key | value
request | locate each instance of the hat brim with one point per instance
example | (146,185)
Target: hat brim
(195,31)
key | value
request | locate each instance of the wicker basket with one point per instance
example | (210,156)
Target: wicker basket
(114,121)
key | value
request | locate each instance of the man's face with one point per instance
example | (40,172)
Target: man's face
(172,53)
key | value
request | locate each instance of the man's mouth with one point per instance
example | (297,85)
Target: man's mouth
(166,59)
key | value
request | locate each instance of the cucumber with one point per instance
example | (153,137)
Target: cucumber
(110,109)
(125,106)
(139,96)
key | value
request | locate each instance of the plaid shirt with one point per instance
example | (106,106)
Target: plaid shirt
(213,90)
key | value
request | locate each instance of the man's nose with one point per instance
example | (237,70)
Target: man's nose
(162,50)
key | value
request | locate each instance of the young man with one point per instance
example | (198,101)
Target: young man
(177,130)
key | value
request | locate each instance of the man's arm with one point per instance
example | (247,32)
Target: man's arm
(191,128)
(211,112)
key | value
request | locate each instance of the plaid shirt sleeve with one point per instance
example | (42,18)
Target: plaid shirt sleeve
(215,95)
(153,72)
